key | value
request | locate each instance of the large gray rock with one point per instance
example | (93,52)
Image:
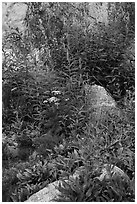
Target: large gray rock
(47,194)
(100,105)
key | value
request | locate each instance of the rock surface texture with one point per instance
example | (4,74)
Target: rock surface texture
(47,194)
(100,104)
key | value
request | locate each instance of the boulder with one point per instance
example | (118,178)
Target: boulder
(100,105)
(47,194)
(50,193)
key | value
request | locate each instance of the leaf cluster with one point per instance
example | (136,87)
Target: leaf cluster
(45,120)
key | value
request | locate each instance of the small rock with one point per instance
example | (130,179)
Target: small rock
(111,171)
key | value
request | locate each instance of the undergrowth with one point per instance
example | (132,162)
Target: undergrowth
(91,150)
(47,134)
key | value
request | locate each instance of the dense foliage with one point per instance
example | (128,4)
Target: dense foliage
(46,134)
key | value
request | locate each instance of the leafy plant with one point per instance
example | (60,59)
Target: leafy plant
(45,116)
(88,189)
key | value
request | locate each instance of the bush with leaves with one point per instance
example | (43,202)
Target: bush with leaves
(101,53)
(89,189)
(59,51)
(91,150)
(65,47)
